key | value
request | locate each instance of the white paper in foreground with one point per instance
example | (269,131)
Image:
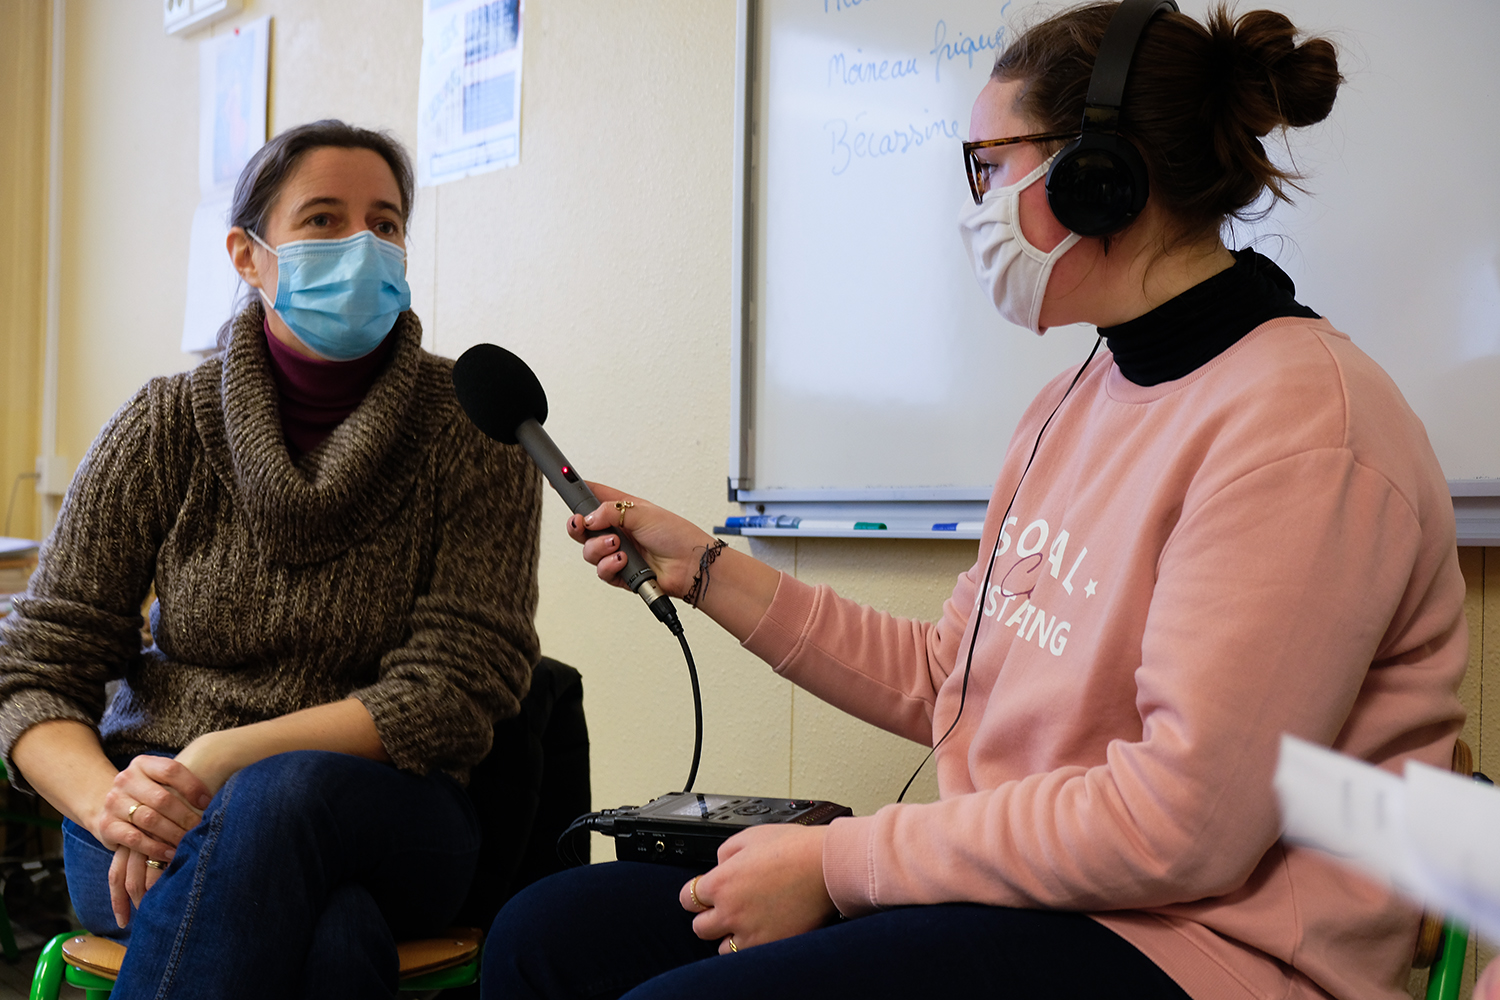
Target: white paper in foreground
(1431,834)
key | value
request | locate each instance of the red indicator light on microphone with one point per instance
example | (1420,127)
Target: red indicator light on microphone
(569,474)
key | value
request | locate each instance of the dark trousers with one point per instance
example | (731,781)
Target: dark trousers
(617,930)
(302,875)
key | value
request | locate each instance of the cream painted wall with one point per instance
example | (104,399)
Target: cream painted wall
(130,179)
(24,40)
(603,259)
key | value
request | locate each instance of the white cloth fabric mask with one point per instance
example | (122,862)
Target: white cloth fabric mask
(1012,271)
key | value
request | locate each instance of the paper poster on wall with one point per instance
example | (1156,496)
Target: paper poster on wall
(469,92)
(232,84)
(212,281)
(232,71)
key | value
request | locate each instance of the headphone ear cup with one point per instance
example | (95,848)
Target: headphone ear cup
(1097,185)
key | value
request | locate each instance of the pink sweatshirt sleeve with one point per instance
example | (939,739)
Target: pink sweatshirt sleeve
(1250,631)
(873,665)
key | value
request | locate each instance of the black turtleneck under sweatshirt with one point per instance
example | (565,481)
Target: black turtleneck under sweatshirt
(1185,333)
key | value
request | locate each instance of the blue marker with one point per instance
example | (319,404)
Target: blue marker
(762,521)
(958,526)
(805,524)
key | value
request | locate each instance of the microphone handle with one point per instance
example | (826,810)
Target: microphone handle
(637,575)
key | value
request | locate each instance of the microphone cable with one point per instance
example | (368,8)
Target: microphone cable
(984,588)
(667,614)
(697,710)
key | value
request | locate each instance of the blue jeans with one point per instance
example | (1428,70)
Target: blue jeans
(617,930)
(306,869)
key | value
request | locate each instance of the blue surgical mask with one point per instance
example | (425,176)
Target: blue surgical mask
(340,297)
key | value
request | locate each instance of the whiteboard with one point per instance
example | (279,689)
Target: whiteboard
(868,363)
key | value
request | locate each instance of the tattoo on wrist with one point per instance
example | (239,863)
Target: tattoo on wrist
(699,589)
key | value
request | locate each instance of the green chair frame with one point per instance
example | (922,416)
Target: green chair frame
(1447,972)
(1443,981)
(52,972)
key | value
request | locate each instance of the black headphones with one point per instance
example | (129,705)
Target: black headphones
(1098,182)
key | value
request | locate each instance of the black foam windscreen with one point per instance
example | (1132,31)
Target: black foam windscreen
(498,391)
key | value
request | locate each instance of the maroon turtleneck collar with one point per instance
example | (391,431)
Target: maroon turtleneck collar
(317,395)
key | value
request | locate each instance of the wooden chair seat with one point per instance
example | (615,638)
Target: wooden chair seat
(98,955)
(458,946)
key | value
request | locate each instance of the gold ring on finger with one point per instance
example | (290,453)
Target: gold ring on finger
(622,506)
(693,893)
(130,816)
(153,863)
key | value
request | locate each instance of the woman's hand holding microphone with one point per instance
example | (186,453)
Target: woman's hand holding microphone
(734,590)
(671,544)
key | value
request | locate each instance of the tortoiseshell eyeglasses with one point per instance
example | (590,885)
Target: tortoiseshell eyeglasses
(979,171)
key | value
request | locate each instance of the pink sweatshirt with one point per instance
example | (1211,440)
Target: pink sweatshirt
(1191,569)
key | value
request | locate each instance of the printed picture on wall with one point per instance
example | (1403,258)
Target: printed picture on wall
(469,91)
(232,79)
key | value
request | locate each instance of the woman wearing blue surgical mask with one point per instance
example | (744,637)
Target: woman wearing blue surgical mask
(335,280)
(345,573)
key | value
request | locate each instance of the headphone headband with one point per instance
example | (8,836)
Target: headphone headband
(1106,94)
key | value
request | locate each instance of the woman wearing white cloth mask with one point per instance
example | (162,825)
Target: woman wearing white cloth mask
(345,580)
(1233,528)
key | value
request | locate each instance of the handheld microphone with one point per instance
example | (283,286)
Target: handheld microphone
(505,400)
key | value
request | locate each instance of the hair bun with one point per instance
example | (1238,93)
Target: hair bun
(1269,80)
(1199,98)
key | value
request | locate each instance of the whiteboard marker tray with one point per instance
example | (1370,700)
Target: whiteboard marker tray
(870,533)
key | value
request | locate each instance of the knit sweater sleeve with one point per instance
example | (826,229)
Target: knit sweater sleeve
(472,641)
(78,625)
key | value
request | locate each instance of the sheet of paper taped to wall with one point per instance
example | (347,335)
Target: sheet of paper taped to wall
(1429,834)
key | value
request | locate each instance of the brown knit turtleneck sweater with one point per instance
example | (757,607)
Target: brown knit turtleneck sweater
(396,562)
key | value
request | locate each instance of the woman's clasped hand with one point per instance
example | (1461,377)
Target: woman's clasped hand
(148,809)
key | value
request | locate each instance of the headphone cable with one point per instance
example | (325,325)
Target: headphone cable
(963,693)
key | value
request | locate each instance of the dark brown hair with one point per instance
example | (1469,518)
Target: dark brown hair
(1199,99)
(261,181)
